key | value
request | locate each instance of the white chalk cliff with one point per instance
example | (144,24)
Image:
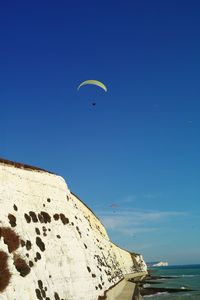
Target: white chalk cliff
(52,246)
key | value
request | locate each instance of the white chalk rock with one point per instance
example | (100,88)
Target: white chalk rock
(52,246)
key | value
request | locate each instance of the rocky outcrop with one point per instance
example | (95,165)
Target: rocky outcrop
(52,246)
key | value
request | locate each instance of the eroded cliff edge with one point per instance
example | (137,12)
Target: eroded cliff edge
(52,246)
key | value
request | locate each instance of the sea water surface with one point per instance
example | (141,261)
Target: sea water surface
(183,276)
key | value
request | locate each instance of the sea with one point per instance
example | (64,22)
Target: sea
(182,276)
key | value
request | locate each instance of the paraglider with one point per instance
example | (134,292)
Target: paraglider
(93,82)
(114,205)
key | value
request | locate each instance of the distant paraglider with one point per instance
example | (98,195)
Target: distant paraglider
(114,205)
(93,82)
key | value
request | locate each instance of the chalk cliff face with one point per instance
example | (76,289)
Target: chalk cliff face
(52,246)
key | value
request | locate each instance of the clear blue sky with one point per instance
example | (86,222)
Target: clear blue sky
(139,147)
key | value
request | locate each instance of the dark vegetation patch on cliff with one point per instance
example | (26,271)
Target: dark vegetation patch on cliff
(46,217)
(28,245)
(21,266)
(12,220)
(64,219)
(28,218)
(40,243)
(56,217)
(37,230)
(11,239)
(5,274)
(15,207)
(33,216)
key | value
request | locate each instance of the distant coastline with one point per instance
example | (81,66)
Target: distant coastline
(158,264)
